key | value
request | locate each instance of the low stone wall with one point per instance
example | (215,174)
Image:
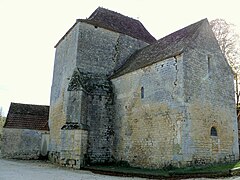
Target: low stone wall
(22,143)
(2,121)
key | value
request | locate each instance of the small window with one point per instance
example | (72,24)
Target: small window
(142,92)
(209,63)
(213,131)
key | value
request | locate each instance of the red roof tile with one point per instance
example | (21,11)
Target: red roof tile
(27,116)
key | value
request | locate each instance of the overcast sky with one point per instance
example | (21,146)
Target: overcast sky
(29,29)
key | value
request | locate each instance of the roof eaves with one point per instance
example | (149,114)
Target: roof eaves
(184,41)
(66,33)
(97,24)
(121,72)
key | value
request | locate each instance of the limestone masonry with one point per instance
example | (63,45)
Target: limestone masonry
(120,96)
(26,132)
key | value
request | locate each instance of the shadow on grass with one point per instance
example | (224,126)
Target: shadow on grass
(217,170)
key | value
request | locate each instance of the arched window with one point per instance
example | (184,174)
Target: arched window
(213,131)
(142,92)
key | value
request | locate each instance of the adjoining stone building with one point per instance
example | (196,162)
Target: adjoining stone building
(26,132)
(120,95)
(2,122)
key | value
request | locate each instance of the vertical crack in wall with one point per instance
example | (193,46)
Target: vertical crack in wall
(116,47)
(176,77)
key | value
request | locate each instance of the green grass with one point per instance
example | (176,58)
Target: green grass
(216,170)
(211,169)
(237,165)
(132,170)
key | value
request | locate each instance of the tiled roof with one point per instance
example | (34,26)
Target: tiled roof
(27,116)
(117,22)
(169,46)
(114,21)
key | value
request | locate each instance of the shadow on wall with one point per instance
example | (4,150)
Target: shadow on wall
(44,146)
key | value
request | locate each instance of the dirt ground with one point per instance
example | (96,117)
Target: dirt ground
(39,170)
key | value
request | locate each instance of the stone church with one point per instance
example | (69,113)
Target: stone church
(119,95)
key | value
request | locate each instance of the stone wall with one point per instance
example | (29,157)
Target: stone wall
(209,96)
(149,125)
(101,51)
(156,116)
(165,112)
(22,143)
(210,101)
(2,122)
(90,109)
(64,65)
(86,52)
(100,123)
(73,147)
(44,144)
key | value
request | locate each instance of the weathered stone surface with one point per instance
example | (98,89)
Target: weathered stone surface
(114,99)
(101,51)
(81,92)
(149,130)
(2,122)
(209,96)
(44,144)
(73,148)
(23,143)
(185,96)
(101,132)
(65,63)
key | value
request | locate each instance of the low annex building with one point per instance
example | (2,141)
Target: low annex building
(120,95)
(26,132)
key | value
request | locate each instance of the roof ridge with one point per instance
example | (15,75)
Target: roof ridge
(116,22)
(184,28)
(109,10)
(196,31)
(29,104)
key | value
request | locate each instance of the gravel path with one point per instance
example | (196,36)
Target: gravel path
(36,170)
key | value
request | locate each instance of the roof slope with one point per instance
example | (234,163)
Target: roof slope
(27,116)
(169,46)
(114,21)
(117,22)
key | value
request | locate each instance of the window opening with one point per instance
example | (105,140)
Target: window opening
(209,64)
(213,131)
(142,92)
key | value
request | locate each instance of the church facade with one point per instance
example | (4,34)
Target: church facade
(120,95)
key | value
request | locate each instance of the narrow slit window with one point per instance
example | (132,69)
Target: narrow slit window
(142,92)
(209,64)
(213,131)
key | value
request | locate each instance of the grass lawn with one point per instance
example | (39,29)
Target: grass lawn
(211,170)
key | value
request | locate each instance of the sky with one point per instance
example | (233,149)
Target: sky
(29,29)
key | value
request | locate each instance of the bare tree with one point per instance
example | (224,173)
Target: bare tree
(1,113)
(229,40)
